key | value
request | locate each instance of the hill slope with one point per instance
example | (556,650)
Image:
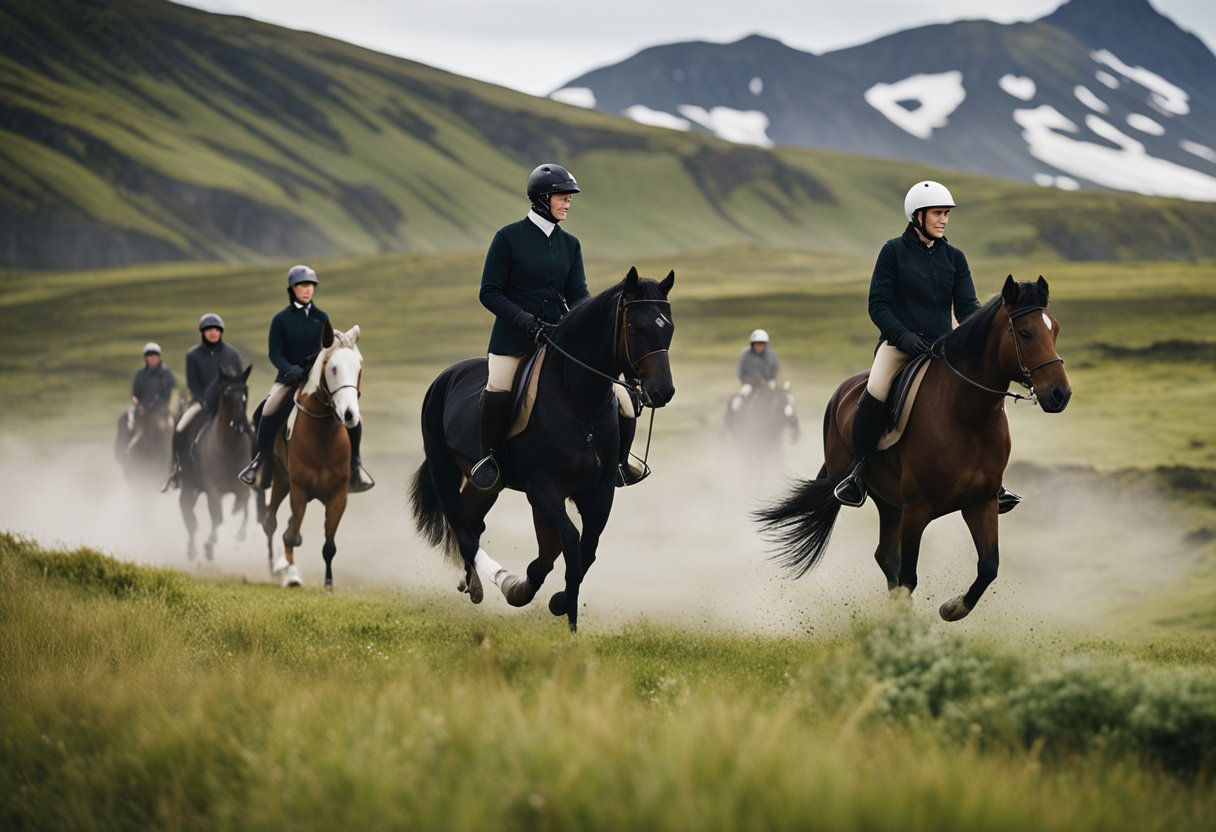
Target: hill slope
(139,130)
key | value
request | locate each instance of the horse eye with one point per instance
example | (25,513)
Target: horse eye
(1026,333)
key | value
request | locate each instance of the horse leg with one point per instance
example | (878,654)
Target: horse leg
(593,506)
(981,519)
(185,502)
(270,522)
(292,538)
(912,525)
(215,505)
(243,506)
(334,510)
(475,504)
(550,505)
(887,553)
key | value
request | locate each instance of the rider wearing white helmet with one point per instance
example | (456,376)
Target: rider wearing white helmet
(757,362)
(919,279)
(153,384)
(294,343)
(203,363)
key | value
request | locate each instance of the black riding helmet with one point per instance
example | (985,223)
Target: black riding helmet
(549,179)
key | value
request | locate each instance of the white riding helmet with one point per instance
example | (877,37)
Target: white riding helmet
(927,194)
(759,336)
(151,348)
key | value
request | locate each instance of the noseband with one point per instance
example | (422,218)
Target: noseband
(327,397)
(938,351)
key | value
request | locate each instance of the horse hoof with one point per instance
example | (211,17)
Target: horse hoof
(471,584)
(292,577)
(954,609)
(901,593)
(557,604)
(279,565)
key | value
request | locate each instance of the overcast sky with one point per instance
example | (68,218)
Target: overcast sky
(536,46)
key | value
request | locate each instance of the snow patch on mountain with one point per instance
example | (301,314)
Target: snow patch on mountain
(739,126)
(1145,124)
(1019,86)
(1200,150)
(1107,80)
(1163,96)
(578,96)
(1124,168)
(933,99)
(656,118)
(756,85)
(1064,183)
(1086,97)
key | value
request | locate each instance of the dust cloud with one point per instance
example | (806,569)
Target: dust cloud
(680,548)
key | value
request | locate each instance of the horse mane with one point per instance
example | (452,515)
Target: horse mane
(966,342)
(341,341)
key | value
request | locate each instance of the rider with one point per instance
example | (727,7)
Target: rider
(203,364)
(295,342)
(153,384)
(918,278)
(533,275)
(757,363)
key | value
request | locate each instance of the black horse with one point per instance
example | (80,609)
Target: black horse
(759,423)
(568,450)
(223,446)
(142,446)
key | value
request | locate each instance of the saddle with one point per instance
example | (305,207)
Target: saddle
(523,391)
(904,388)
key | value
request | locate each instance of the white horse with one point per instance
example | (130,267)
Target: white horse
(312,455)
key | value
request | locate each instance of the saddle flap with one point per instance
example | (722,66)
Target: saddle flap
(904,389)
(523,395)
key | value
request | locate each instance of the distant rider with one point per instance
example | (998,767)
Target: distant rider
(757,363)
(918,278)
(204,362)
(533,275)
(153,384)
(294,343)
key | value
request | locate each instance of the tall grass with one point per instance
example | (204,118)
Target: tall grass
(136,698)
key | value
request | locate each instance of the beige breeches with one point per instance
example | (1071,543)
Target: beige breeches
(888,361)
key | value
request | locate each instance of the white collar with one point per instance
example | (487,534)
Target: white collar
(542,223)
(299,305)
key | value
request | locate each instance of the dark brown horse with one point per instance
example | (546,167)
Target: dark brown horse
(142,447)
(953,452)
(567,452)
(312,457)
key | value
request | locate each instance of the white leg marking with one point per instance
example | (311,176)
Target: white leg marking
(491,571)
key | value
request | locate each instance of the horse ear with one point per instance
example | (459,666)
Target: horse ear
(248,370)
(631,281)
(1043,286)
(353,334)
(1009,292)
(668,282)
(327,335)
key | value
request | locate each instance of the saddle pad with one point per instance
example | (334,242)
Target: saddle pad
(906,387)
(466,381)
(526,383)
(291,421)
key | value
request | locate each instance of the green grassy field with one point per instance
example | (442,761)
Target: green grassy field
(137,698)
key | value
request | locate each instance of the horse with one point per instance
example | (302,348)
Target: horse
(143,444)
(312,454)
(759,423)
(952,454)
(225,441)
(568,450)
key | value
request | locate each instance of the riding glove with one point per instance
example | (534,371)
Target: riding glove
(296,374)
(913,343)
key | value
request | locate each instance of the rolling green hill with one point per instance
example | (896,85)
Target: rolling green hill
(139,130)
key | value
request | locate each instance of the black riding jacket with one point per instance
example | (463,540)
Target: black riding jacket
(525,271)
(915,286)
(295,338)
(153,387)
(203,363)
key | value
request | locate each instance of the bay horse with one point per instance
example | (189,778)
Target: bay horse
(144,449)
(226,440)
(312,456)
(567,451)
(953,451)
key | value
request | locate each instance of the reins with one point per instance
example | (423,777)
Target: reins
(938,350)
(327,398)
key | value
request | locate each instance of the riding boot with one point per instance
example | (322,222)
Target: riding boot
(175,472)
(360,480)
(495,410)
(628,472)
(257,473)
(1006,500)
(868,423)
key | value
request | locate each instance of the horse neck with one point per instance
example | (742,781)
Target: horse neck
(595,348)
(985,370)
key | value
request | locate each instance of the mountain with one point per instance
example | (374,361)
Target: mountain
(139,130)
(1098,94)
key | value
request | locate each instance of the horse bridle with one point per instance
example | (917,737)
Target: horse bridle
(327,397)
(939,351)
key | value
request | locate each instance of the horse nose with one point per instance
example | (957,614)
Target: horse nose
(1057,399)
(660,394)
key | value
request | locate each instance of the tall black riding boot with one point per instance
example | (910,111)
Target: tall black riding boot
(256,473)
(180,439)
(627,471)
(495,410)
(360,480)
(867,428)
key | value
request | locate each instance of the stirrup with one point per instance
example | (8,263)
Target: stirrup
(174,480)
(249,474)
(360,480)
(485,475)
(627,473)
(851,491)
(1006,501)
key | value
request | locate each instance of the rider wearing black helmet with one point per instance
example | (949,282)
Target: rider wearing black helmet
(294,342)
(203,364)
(533,275)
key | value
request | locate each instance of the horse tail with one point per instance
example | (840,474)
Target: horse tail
(429,518)
(801,524)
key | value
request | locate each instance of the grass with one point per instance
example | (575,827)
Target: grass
(133,697)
